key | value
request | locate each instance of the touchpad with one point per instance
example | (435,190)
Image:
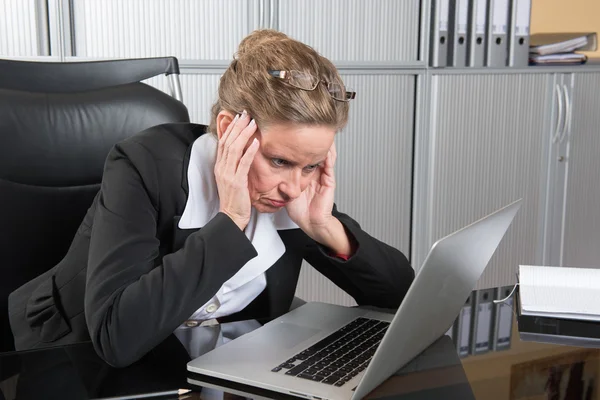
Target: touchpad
(288,335)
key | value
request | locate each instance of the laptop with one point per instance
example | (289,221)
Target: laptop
(324,351)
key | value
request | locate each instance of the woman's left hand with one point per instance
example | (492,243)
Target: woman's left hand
(311,211)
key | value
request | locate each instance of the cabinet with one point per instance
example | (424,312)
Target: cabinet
(486,147)
(186,29)
(355,30)
(18,28)
(573,237)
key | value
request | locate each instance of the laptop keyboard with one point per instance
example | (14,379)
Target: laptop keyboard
(340,356)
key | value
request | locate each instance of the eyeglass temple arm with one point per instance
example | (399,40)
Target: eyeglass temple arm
(277,73)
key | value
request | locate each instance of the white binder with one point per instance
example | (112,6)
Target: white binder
(463,328)
(477,29)
(483,308)
(518,38)
(503,317)
(496,52)
(459,21)
(439,33)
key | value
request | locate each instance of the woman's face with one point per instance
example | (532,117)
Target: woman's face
(289,157)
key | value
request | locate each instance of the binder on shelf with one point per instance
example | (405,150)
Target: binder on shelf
(503,318)
(463,328)
(439,33)
(458,25)
(483,308)
(518,37)
(496,49)
(477,29)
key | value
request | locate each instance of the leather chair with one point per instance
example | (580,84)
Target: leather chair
(58,122)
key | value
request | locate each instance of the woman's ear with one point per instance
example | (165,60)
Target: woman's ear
(224,118)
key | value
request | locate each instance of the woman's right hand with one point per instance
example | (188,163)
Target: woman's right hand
(232,166)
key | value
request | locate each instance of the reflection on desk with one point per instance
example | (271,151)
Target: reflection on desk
(76,372)
(531,370)
(525,371)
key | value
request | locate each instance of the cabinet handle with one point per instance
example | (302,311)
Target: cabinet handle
(559,118)
(568,113)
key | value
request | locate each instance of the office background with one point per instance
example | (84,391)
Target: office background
(427,150)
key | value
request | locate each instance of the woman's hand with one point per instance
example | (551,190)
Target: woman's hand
(232,166)
(311,211)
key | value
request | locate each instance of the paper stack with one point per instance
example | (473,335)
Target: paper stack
(560,292)
(555,303)
(559,48)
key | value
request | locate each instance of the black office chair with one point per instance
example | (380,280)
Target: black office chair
(58,122)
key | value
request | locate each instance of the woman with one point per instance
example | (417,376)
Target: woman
(189,227)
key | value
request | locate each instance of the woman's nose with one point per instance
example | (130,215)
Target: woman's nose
(292,187)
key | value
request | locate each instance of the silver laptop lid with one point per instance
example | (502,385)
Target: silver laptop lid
(449,274)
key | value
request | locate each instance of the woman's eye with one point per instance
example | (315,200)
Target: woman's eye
(278,162)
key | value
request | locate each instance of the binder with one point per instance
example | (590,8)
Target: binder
(457,33)
(463,328)
(483,308)
(503,319)
(496,49)
(439,33)
(518,41)
(477,29)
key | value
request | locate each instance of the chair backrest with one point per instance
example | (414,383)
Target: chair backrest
(58,121)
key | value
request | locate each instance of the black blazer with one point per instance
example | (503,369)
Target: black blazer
(131,276)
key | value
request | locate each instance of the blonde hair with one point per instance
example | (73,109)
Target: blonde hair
(247,85)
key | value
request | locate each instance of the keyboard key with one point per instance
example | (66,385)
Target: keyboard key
(340,383)
(276,369)
(311,371)
(330,380)
(315,378)
(329,370)
(297,369)
(321,365)
(304,355)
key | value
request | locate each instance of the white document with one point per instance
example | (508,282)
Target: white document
(560,292)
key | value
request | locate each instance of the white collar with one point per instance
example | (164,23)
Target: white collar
(203,204)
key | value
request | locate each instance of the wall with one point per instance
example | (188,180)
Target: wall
(566,16)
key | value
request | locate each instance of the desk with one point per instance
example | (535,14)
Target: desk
(525,371)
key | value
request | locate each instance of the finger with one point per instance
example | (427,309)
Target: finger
(333,150)
(229,128)
(236,142)
(241,123)
(236,148)
(329,163)
(221,142)
(247,158)
(327,173)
